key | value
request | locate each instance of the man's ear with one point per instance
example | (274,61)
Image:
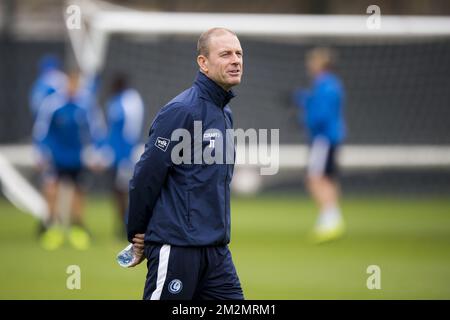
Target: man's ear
(202,63)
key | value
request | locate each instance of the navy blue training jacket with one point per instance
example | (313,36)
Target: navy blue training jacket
(185,204)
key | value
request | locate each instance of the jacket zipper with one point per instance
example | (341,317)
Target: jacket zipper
(226,175)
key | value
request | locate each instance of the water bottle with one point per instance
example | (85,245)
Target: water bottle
(126,257)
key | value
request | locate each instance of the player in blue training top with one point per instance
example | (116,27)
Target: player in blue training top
(51,80)
(62,132)
(323,117)
(125,114)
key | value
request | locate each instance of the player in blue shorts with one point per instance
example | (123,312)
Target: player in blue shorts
(51,80)
(125,115)
(322,107)
(62,131)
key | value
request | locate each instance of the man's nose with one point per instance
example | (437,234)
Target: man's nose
(236,59)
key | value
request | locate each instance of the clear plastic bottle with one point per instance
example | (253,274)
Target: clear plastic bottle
(126,257)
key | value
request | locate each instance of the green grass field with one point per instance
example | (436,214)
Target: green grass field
(408,238)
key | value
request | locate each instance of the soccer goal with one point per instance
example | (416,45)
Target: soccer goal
(396,76)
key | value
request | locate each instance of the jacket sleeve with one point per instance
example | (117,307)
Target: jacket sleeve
(152,168)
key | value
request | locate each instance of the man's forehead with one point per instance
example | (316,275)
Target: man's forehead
(224,41)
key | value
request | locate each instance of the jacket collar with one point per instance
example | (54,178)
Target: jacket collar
(212,91)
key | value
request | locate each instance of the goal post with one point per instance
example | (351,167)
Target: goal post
(102,19)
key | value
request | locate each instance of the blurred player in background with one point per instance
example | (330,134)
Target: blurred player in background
(62,130)
(51,80)
(125,114)
(324,121)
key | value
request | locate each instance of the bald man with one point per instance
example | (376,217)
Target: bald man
(179,212)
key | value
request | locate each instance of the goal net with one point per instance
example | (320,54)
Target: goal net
(396,79)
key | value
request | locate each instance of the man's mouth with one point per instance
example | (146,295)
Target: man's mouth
(234,72)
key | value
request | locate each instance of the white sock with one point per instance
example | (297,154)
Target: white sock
(330,217)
